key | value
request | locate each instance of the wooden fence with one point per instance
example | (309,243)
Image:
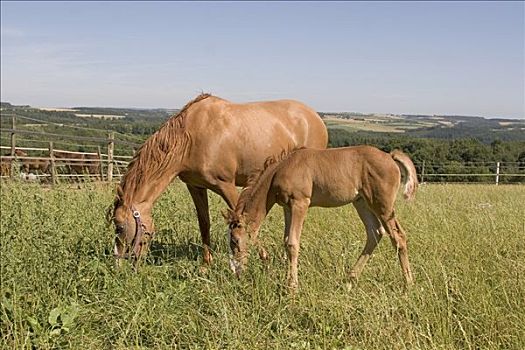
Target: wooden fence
(108,166)
(111,165)
(105,158)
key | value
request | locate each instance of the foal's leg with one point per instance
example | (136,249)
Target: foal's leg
(374,232)
(399,241)
(297,215)
(200,199)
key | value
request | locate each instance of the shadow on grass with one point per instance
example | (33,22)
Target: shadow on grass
(161,253)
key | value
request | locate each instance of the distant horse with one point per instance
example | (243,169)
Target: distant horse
(210,144)
(364,176)
(33,165)
(5,166)
(79,163)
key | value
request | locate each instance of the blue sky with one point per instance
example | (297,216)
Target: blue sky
(386,57)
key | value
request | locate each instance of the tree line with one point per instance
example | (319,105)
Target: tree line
(466,155)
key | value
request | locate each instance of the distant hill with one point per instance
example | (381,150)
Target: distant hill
(145,121)
(426,126)
(446,144)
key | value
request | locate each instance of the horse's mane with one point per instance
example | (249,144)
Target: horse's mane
(253,183)
(170,142)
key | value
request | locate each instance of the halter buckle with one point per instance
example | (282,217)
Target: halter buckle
(136,214)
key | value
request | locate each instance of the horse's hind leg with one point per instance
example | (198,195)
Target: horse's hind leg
(200,199)
(374,232)
(399,241)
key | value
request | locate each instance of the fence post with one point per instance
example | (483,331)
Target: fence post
(423,172)
(111,146)
(13,136)
(497,173)
(13,148)
(100,163)
(52,165)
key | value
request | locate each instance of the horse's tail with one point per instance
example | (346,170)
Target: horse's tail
(408,173)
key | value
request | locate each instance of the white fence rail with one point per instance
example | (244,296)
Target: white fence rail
(498,171)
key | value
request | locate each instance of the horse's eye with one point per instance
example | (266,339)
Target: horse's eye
(234,225)
(120,228)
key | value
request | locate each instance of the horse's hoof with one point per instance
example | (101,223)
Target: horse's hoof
(204,269)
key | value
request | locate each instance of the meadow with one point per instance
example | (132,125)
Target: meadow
(60,289)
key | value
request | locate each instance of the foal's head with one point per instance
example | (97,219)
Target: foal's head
(238,236)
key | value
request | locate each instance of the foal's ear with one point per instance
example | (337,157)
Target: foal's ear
(228,214)
(109,214)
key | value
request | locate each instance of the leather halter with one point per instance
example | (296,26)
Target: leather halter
(139,231)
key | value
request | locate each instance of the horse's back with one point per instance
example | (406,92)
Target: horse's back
(334,177)
(234,139)
(220,115)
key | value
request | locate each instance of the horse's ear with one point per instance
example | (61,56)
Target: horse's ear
(110,210)
(120,192)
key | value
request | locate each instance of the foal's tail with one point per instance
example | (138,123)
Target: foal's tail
(408,173)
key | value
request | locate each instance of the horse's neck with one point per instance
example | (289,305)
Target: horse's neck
(259,200)
(143,191)
(157,163)
(150,191)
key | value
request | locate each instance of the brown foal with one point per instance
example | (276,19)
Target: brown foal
(364,176)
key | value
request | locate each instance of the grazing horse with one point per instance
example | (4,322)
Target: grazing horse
(36,165)
(210,144)
(363,175)
(79,163)
(5,166)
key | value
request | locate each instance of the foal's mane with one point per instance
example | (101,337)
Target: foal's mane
(253,183)
(170,142)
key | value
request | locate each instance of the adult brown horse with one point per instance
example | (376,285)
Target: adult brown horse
(79,162)
(5,166)
(36,165)
(210,144)
(364,176)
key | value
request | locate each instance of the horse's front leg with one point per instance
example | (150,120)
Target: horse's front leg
(200,199)
(298,210)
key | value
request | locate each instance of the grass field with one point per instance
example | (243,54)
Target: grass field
(379,124)
(60,290)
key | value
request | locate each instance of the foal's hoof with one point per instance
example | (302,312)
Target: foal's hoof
(350,285)
(292,287)
(204,269)
(352,282)
(263,255)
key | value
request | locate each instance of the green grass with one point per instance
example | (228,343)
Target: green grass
(60,290)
